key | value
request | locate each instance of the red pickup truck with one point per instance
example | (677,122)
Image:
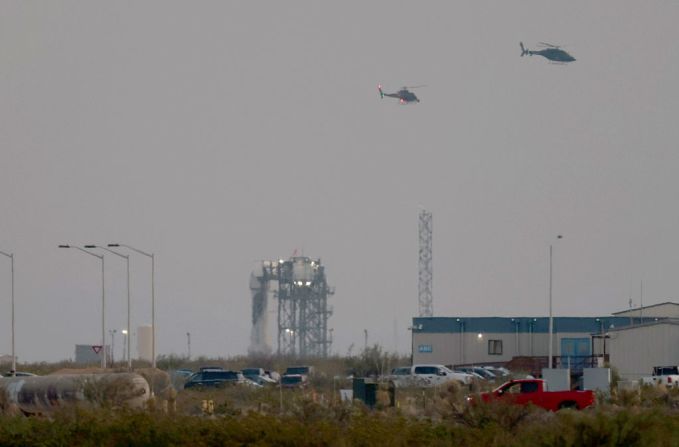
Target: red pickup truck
(525,391)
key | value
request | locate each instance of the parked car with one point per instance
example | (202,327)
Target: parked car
(215,377)
(259,376)
(183,372)
(294,381)
(534,391)
(211,368)
(499,371)
(428,376)
(483,372)
(303,370)
(476,376)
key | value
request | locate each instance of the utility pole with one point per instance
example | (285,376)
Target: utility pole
(365,340)
(188,344)
(14,357)
(113,349)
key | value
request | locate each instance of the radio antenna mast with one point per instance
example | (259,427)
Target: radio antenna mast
(425,296)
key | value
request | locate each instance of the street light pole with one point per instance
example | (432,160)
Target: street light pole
(113,343)
(14,358)
(551,318)
(129,327)
(153,297)
(103,300)
(126,334)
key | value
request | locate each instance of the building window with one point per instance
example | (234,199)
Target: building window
(495,347)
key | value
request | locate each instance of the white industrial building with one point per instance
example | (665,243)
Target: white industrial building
(632,341)
(654,341)
(486,340)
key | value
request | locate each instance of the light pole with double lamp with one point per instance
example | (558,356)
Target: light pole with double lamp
(14,357)
(103,300)
(127,261)
(551,318)
(153,297)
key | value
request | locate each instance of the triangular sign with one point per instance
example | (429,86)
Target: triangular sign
(97,348)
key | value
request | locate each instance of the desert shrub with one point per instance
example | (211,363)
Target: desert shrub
(312,424)
(373,361)
(626,398)
(603,427)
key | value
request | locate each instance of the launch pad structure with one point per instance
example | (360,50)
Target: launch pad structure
(300,289)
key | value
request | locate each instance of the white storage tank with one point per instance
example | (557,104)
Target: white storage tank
(43,394)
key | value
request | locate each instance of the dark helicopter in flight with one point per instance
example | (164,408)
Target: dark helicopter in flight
(551,52)
(404,95)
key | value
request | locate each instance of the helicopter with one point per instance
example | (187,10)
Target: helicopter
(404,95)
(552,52)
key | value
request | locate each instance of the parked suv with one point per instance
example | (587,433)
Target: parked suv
(294,381)
(214,377)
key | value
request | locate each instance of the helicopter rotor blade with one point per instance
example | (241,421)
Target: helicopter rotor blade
(548,45)
(416,86)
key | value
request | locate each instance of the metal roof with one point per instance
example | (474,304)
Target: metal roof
(651,306)
(649,322)
(503,325)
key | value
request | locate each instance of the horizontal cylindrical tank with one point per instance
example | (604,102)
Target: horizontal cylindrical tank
(42,394)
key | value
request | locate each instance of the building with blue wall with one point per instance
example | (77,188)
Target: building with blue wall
(485,340)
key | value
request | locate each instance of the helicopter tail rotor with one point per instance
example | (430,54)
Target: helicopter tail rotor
(523,50)
(379,87)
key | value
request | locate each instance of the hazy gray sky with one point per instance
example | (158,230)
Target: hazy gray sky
(219,133)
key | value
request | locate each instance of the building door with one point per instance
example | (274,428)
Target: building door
(575,353)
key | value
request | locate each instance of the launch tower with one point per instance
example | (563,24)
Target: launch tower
(301,290)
